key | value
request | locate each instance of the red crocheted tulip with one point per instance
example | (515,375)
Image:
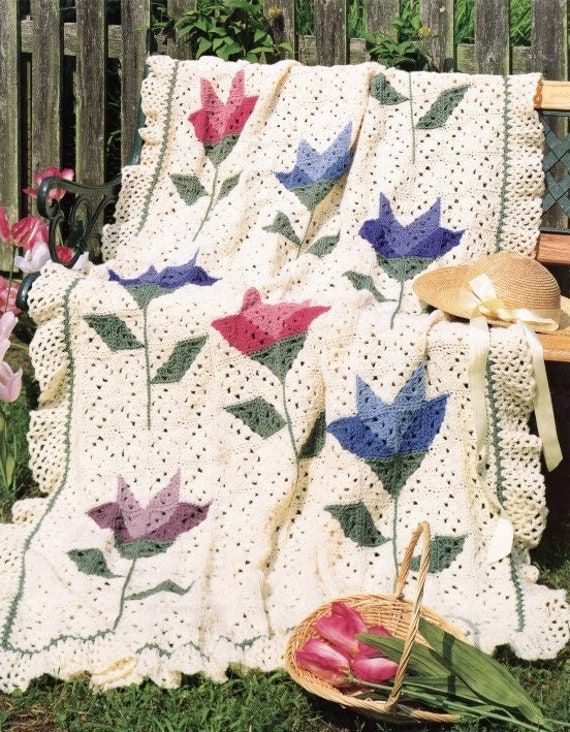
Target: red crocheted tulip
(259,325)
(216,120)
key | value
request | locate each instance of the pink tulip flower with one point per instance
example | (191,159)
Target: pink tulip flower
(10,383)
(7,324)
(324,661)
(29,231)
(4,346)
(56,194)
(375,669)
(8,297)
(341,628)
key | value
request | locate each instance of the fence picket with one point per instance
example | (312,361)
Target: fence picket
(331,31)
(282,24)
(492,36)
(135,25)
(9,119)
(91,97)
(178,47)
(438,16)
(380,16)
(46,84)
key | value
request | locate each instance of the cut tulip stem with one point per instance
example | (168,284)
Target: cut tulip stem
(210,203)
(10,281)
(123,593)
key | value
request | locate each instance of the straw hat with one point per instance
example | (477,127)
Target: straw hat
(521,284)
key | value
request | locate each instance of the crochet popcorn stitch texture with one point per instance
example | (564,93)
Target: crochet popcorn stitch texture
(245,411)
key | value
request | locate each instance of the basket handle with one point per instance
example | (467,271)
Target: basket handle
(423,532)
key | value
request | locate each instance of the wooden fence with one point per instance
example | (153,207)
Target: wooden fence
(35,48)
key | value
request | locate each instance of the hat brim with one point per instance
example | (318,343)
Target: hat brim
(445,289)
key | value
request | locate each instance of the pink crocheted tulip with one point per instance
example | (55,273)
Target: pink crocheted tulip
(259,325)
(56,194)
(341,627)
(324,661)
(10,383)
(216,120)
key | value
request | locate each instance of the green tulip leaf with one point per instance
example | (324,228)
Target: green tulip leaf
(91,561)
(324,245)
(316,439)
(166,586)
(365,282)
(180,360)
(189,188)
(442,109)
(357,523)
(384,92)
(113,332)
(443,552)
(282,225)
(228,185)
(259,415)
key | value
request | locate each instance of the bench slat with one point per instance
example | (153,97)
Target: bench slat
(553,248)
(556,346)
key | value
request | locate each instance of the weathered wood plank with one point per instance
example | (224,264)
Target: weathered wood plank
(135,24)
(492,38)
(90,85)
(521,59)
(331,32)
(281,17)
(10,183)
(308,50)
(550,56)
(178,47)
(553,249)
(46,84)
(438,16)
(114,39)
(380,16)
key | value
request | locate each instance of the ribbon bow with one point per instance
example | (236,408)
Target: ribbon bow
(485,303)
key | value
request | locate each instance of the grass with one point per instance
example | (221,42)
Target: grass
(252,702)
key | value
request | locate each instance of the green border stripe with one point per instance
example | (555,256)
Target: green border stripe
(503,194)
(163,147)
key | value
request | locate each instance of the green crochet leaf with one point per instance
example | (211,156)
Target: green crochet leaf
(444,550)
(113,332)
(280,356)
(259,415)
(180,360)
(394,471)
(316,439)
(311,195)
(189,188)
(228,185)
(282,225)
(143,548)
(384,92)
(324,245)
(91,561)
(404,268)
(365,282)
(166,586)
(442,109)
(357,524)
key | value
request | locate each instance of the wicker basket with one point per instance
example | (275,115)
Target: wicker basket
(401,618)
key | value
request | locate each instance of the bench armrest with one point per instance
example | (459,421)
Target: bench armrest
(75,225)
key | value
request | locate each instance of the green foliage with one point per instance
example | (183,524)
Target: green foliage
(229,29)
(408,49)
(520,21)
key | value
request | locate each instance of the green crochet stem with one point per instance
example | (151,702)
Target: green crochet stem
(210,203)
(123,593)
(395,539)
(399,304)
(305,234)
(412,121)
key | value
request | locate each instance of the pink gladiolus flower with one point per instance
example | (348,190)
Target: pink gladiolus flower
(29,231)
(217,120)
(375,669)
(7,324)
(56,194)
(324,661)
(5,234)
(8,298)
(10,383)
(341,627)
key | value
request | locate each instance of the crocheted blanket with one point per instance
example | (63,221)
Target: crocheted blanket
(246,411)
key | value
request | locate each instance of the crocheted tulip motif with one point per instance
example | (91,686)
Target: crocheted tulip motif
(140,533)
(405,251)
(392,439)
(144,289)
(272,335)
(312,178)
(218,126)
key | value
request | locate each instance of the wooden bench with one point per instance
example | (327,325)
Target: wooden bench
(79,226)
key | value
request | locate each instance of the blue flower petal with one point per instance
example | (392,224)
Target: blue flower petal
(425,426)
(169,278)
(357,438)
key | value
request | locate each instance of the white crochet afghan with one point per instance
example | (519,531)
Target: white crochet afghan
(245,412)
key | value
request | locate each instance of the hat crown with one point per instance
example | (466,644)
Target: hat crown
(519,281)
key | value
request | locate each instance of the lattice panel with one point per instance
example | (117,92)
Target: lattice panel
(556,201)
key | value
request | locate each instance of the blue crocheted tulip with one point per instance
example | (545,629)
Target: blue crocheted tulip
(315,173)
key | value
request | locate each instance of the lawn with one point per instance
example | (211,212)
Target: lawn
(254,702)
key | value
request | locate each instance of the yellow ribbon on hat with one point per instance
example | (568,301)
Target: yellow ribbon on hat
(486,304)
